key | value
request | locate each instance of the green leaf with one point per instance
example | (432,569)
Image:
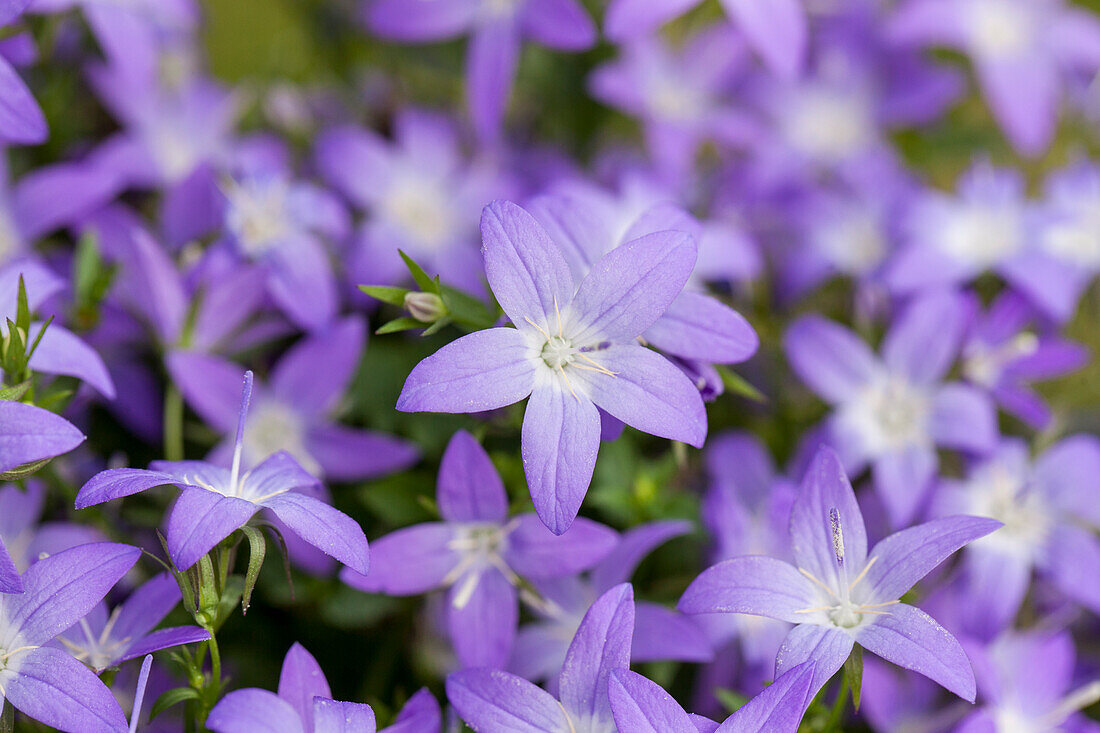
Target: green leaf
(257,549)
(22,309)
(437,326)
(86,267)
(406,323)
(736,384)
(16,391)
(172,697)
(393,296)
(421,278)
(38,338)
(853,672)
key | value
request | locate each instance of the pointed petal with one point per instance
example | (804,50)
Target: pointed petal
(832,360)
(902,479)
(661,633)
(779,708)
(905,557)
(647,392)
(146,607)
(482,615)
(777,31)
(491,59)
(639,704)
(408,562)
(21,119)
(697,326)
(909,638)
(118,482)
(964,417)
(201,519)
(29,433)
(825,489)
(323,526)
(826,646)
(334,716)
(560,439)
(301,680)
(278,473)
(631,286)
(1072,555)
(634,545)
(923,343)
(534,552)
(480,371)
(559,24)
(53,688)
(61,352)
(1023,94)
(164,639)
(421,713)
(629,19)
(315,371)
(420,20)
(470,489)
(1066,471)
(349,454)
(489,699)
(601,644)
(10,582)
(60,590)
(257,711)
(754,584)
(301,266)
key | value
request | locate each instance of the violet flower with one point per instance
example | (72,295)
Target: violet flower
(892,411)
(777,30)
(641,705)
(837,594)
(102,641)
(45,683)
(660,633)
(214,501)
(496,32)
(573,350)
(304,704)
(478,554)
(1020,49)
(291,412)
(1026,680)
(21,119)
(1050,517)
(420,194)
(489,699)
(29,434)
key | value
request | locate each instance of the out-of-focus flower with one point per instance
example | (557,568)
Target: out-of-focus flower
(29,434)
(21,119)
(573,349)
(837,594)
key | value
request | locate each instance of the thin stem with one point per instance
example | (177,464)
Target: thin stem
(837,712)
(173,424)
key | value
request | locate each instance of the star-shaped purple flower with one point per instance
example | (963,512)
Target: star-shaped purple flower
(573,349)
(837,593)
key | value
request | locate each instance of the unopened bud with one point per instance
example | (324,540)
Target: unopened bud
(425,307)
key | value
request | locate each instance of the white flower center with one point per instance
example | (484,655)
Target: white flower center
(889,414)
(272,427)
(829,125)
(421,206)
(1000,29)
(981,235)
(853,242)
(1001,492)
(171,148)
(672,99)
(1076,240)
(258,214)
(984,365)
(558,353)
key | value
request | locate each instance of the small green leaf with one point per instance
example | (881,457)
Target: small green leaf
(16,391)
(437,326)
(38,338)
(22,309)
(853,672)
(23,471)
(257,549)
(737,384)
(466,309)
(421,278)
(393,296)
(172,697)
(406,323)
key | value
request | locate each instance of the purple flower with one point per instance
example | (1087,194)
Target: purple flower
(1049,515)
(573,350)
(21,120)
(291,412)
(489,699)
(1020,49)
(304,704)
(420,195)
(660,633)
(45,683)
(837,594)
(478,554)
(777,30)
(214,501)
(1003,356)
(101,640)
(29,434)
(892,412)
(641,705)
(496,31)
(1025,681)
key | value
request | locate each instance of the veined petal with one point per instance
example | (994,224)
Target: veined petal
(29,433)
(210,384)
(698,326)
(421,713)
(201,519)
(257,711)
(633,546)
(534,552)
(481,371)
(662,633)
(909,638)
(526,271)
(753,584)
(832,360)
(489,699)
(924,341)
(336,716)
(21,119)
(482,615)
(10,582)
(631,286)
(470,489)
(313,374)
(903,558)
(61,352)
(53,688)
(301,680)
(601,644)
(118,482)
(646,391)
(826,646)
(639,704)
(779,708)
(323,526)
(277,474)
(491,59)
(560,439)
(350,454)
(408,562)
(163,639)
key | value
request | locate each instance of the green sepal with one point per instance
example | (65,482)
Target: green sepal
(257,549)
(853,672)
(393,296)
(172,697)
(23,471)
(38,338)
(737,384)
(421,278)
(22,308)
(15,391)
(405,323)
(437,326)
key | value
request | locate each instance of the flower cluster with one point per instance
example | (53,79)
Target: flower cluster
(731,366)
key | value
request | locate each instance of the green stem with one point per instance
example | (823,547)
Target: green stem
(833,721)
(173,424)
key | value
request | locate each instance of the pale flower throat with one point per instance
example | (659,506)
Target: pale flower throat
(562,353)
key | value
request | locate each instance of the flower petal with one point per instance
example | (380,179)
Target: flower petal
(601,644)
(470,489)
(491,58)
(313,374)
(779,708)
(924,341)
(323,526)
(632,547)
(482,615)
(753,584)
(257,711)
(21,119)
(408,562)
(301,680)
(964,417)
(697,326)
(639,704)
(29,433)
(53,688)
(534,552)
(629,19)
(61,352)
(201,519)
(826,646)
(777,31)
(832,360)
(335,716)
(349,454)
(489,699)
